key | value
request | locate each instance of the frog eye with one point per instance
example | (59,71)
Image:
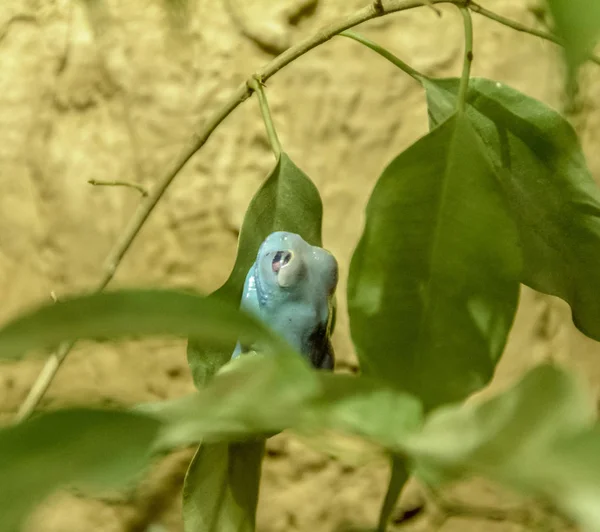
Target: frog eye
(281,259)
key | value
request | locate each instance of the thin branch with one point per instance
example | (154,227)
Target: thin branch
(257,86)
(468,59)
(517,26)
(430,5)
(43,381)
(128,184)
(146,206)
(415,74)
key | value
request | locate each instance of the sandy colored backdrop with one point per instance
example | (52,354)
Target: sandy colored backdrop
(116,99)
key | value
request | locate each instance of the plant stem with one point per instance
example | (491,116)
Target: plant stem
(430,5)
(43,381)
(468,59)
(257,86)
(128,184)
(197,140)
(398,478)
(416,75)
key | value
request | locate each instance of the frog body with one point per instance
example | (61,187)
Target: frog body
(290,287)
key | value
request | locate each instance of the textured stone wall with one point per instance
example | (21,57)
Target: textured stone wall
(113,93)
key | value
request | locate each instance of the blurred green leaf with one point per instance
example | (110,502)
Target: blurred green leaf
(287,201)
(433,288)
(362,407)
(69,448)
(547,404)
(573,468)
(249,396)
(132,313)
(252,395)
(256,395)
(536,437)
(260,394)
(220,490)
(577,22)
(545,179)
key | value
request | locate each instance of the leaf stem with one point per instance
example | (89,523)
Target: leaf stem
(398,477)
(468,59)
(430,5)
(257,86)
(415,74)
(128,184)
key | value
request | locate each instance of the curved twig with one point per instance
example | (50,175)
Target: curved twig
(117,183)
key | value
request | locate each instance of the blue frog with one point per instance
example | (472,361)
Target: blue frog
(290,287)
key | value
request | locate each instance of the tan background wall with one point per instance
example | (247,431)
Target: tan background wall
(116,100)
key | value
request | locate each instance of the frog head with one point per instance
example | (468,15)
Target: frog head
(290,269)
(291,287)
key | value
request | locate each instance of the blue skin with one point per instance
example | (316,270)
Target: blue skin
(290,287)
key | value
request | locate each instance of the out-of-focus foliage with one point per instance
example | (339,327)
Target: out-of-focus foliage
(496,194)
(577,22)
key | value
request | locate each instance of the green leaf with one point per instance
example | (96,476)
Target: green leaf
(250,396)
(220,492)
(359,406)
(574,468)
(433,288)
(260,394)
(287,201)
(545,179)
(132,313)
(545,406)
(577,22)
(69,448)
(536,437)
